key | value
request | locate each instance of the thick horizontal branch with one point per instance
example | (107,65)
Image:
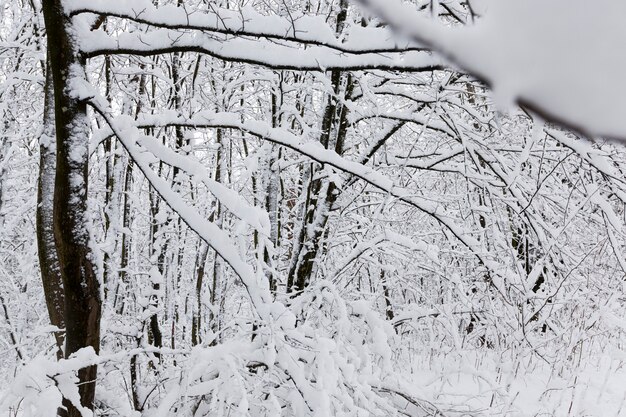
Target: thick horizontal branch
(254,52)
(301,29)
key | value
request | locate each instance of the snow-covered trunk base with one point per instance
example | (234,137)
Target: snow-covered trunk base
(71,231)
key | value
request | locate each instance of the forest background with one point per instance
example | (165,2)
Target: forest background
(294,208)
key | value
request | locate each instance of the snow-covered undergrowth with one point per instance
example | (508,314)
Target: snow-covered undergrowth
(345,359)
(463,383)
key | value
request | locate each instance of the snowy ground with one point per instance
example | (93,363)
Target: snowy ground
(479,385)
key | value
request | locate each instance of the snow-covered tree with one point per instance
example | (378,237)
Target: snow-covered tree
(299,208)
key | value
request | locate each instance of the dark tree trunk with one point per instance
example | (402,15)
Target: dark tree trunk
(120,293)
(48,259)
(386,293)
(321,194)
(196,329)
(70,217)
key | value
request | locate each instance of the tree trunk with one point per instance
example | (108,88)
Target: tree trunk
(70,217)
(216,295)
(48,260)
(321,194)
(196,329)
(120,294)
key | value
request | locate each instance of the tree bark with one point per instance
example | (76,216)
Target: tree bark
(70,217)
(321,194)
(48,259)
(196,329)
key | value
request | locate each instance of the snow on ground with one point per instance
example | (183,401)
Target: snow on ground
(491,384)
